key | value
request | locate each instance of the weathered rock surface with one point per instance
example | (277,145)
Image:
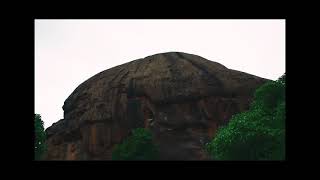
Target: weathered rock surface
(182,98)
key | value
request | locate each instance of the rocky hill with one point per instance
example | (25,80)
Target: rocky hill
(182,98)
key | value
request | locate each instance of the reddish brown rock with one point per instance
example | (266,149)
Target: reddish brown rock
(182,98)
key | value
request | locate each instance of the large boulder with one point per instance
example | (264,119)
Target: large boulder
(182,98)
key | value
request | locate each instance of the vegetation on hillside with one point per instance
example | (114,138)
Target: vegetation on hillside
(257,134)
(138,146)
(40,138)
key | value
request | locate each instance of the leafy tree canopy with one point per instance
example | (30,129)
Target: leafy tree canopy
(138,146)
(40,137)
(257,134)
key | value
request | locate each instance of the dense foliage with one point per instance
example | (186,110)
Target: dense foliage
(258,134)
(40,137)
(138,146)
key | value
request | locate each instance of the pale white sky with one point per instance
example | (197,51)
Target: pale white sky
(68,52)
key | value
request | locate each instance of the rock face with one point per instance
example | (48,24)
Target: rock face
(182,98)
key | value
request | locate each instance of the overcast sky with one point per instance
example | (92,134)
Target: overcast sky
(68,52)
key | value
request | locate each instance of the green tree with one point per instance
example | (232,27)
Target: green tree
(138,146)
(257,134)
(40,137)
